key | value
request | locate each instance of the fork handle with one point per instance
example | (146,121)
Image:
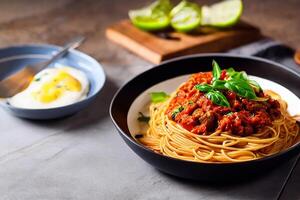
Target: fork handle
(74,43)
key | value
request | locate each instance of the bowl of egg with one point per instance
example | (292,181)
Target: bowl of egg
(62,89)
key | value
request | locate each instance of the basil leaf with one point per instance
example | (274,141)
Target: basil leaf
(217,98)
(237,75)
(241,87)
(230,71)
(255,85)
(177,111)
(219,85)
(203,87)
(143,118)
(216,70)
(244,76)
(240,76)
(157,97)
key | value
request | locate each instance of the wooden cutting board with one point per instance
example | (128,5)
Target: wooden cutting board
(157,47)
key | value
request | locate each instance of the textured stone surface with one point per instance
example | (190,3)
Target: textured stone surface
(82,157)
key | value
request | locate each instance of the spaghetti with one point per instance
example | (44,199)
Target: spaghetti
(203,131)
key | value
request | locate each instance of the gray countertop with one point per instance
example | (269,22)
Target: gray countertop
(82,156)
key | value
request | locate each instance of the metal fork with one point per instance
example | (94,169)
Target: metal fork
(20,80)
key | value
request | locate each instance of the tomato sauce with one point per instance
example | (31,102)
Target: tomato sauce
(195,112)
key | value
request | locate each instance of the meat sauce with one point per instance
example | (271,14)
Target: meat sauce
(195,112)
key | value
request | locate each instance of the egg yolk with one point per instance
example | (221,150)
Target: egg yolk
(56,87)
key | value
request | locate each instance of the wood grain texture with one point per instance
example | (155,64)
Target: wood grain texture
(157,49)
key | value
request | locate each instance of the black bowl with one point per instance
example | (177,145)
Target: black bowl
(188,65)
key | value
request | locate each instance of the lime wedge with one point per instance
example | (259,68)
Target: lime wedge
(185,16)
(149,21)
(153,17)
(223,14)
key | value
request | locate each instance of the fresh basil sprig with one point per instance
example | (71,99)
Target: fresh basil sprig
(238,82)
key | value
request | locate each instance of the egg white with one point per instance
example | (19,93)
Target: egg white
(26,100)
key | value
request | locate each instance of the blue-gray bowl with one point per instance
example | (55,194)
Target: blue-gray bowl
(16,57)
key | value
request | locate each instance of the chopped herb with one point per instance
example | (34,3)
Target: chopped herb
(191,102)
(157,97)
(229,114)
(143,118)
(137,136)
(177,111)
(37,79)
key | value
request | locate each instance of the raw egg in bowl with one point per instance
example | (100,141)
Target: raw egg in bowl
(62,89)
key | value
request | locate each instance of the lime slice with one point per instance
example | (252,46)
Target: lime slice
(149,21)
(152,18)
(185,16)
(223,14)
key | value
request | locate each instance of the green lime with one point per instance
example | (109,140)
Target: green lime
(223,14)
(185,16)
(153,17)
(149,22)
